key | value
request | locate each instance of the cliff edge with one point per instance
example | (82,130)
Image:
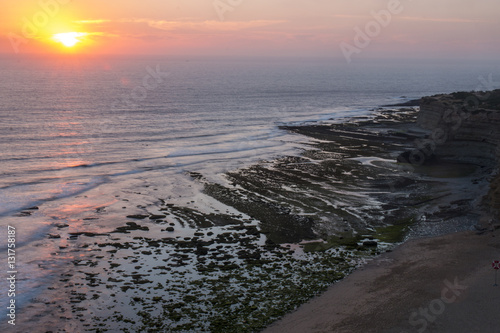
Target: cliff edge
(463,127)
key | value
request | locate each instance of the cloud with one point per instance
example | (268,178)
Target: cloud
(184,32)
(350,16)
(210,25)
(183,26)
(92,21)
(413,18)
(435,19)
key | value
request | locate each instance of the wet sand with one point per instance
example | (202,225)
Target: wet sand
(440,284)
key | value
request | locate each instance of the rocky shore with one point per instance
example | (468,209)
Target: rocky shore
(408,290)
(465,128)
(281,232)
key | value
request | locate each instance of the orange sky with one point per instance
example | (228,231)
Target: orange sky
(422,28)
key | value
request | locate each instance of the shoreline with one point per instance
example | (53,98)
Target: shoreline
(443,283)
(281,232)
(408,290)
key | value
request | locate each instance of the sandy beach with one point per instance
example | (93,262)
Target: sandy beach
(440,284)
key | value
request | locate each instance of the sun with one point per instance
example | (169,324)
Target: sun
(68,39)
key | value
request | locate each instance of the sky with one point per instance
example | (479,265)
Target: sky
(323,28)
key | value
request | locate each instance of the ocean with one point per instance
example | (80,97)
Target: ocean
(85,141)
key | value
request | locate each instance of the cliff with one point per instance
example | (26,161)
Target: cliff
(464,127)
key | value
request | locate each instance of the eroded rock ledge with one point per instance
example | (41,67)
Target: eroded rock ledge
(464,127)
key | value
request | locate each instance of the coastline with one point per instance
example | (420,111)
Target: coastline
(443,283)
(281,231)
(438,284)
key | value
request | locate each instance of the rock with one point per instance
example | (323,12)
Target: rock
(370,243)
(201,251)
(23,214)
(252,230)
(417,157)
(130,227)
(170,229)
(137,216)
(74,235)
(54,236)
(156,217)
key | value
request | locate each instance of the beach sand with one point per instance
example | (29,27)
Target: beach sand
(440,284)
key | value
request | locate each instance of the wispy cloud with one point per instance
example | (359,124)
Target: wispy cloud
(413,18)
(91,21)
(345,16)
(211,25)
(205,26)
(437,19)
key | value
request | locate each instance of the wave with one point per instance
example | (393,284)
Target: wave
(51,184)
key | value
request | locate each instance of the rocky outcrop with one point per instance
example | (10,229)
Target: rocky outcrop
(464,127)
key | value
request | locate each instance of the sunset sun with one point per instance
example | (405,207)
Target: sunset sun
(68,39)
